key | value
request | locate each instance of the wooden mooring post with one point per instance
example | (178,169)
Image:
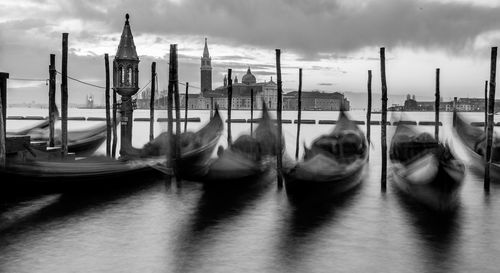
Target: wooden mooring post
(454,120)
(211,107)
(170,116)
(491,113)
(3,115)
(485,106)
(115,126)
(384,120)
(251,111)
(186,101)
(64,96)
(279,152)
(108,114)
(52,99)
(436,107)
(369,108)
(177,118)
(299,115)
(152,102)
(229,106)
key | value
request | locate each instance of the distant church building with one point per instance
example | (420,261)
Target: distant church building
(206,70)
(262,91)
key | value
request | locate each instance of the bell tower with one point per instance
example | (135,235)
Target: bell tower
(125,83)
(206,70)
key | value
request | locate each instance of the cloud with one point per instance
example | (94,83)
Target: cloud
(324,26)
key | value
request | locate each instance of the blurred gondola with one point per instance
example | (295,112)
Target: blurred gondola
(425,169)
(247,161)
(474,142)
(334,164)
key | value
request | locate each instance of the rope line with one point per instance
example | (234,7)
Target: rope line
(82,82)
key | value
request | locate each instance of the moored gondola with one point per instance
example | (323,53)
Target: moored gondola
(424,169)
(334,164)
(196,148)
(248,161)
(93,173)
(474,143)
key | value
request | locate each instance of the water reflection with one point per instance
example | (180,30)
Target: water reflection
(212,220)
(438,233)
(306,222)
(66,206)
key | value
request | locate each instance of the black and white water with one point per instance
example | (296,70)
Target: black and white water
(157,228)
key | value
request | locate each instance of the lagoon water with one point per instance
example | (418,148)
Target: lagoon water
(158,227)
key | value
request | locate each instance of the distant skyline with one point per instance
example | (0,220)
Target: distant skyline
(335,42)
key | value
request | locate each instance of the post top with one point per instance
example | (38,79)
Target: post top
(4,75)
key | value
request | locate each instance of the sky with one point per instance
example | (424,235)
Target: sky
(335,42)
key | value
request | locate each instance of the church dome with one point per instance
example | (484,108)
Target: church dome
(248,78)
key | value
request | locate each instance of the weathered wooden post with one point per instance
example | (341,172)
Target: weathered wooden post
(177,117)
(3,116)
(211,107)
(279,152)
(251,111)
(384,119)
(299,114)
(52,98)
(108,115)
(64,95)
(485,106)
(170,103)
(186,100)
(152,102)
(3,136)
(436,107)
(369,110)
(454,121)
(115,126)
(491,113)
(229,106)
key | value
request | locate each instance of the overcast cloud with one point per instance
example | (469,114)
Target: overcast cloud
(334,39)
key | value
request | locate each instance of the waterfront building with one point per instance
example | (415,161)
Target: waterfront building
(316,100)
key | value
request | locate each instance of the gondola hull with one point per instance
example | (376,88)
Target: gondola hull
(329,168)
(234,170)
(431,183)
(468,136)
(302,184)
(65,176)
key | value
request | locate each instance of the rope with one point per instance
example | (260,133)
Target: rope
(82,82)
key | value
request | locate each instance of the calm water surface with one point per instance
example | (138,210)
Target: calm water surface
(158,227)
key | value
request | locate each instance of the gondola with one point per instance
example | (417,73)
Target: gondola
(334,164)
(39,125)
(196,148)
(73,175)
(474,142)
(425,169)
(82,142)
(247,161)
